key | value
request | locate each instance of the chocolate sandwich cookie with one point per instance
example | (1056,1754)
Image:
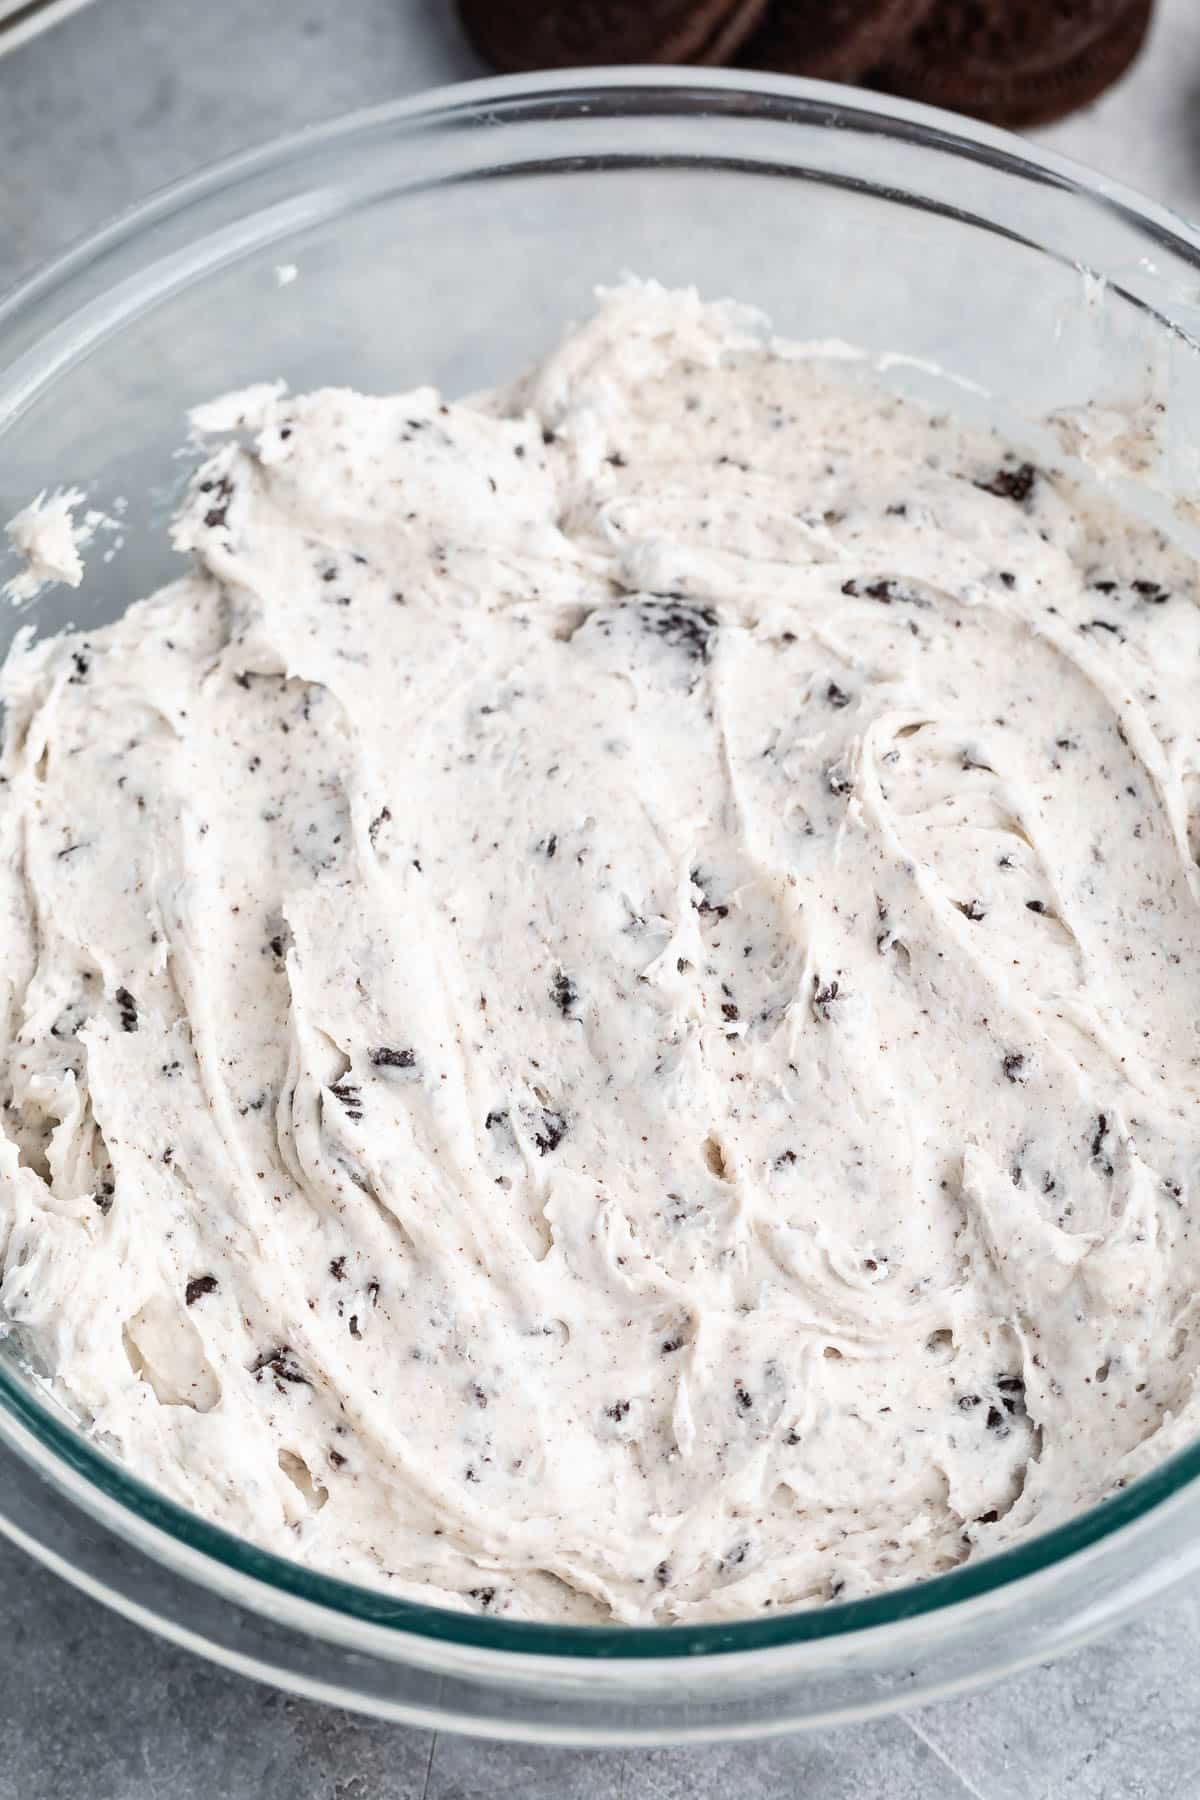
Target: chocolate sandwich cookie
(832,40)
(576,33)
(1016,62)
(728,37)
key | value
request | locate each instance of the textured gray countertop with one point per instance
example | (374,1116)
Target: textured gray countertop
(125,96)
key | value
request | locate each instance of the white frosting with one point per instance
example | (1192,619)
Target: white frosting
(47,535)
(601,1007)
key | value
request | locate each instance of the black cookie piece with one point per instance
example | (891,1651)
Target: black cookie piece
(832,40)
(566,34)
(1017,62)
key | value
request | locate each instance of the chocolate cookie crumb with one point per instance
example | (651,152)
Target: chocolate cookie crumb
(550,1132)
(350,1096)
(564,993)
(1011,484)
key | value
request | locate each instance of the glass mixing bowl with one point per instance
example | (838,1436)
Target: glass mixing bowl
(450,240)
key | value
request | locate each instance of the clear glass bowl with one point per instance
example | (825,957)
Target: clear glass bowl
(451,239)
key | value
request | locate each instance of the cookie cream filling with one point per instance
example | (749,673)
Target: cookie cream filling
(601,1005)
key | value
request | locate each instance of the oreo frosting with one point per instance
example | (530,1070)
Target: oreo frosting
(601,1002)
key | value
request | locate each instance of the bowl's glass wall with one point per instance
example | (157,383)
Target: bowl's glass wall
(451,244)
(454,251)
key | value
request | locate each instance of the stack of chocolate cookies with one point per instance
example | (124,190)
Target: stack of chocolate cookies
(1013,62)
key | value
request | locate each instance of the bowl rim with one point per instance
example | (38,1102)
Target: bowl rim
(254,1569)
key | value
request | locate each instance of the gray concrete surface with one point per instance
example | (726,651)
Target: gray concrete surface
(128,95)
